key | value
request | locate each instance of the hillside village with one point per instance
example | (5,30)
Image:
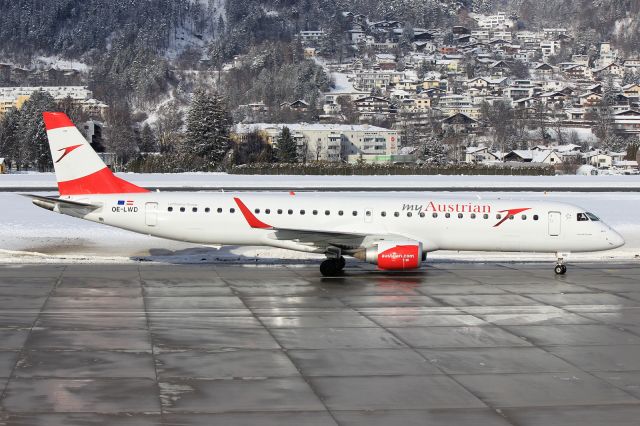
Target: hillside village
(485,92)
(446,82)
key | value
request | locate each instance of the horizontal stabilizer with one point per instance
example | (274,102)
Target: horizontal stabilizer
(50,203)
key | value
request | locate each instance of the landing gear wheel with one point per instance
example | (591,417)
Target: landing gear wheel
(341,263)
(560,269)
(330,267)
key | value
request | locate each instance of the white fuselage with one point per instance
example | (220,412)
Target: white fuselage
(437,223)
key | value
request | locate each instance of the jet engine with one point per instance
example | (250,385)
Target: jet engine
(394,255)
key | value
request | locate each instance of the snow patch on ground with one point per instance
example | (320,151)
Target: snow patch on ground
(216,180)
(43,62)
(341,83)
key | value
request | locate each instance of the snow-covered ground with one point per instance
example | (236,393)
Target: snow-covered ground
(30,234)
(216,180)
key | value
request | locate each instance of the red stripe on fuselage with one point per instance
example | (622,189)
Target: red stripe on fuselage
(100,182)
(253,221)
(509,213)
(56,120)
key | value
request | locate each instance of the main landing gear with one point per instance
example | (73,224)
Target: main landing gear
(332,267)
(561,268)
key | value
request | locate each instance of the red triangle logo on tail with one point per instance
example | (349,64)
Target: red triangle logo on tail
(67,151)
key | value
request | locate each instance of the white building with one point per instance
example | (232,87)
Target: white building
(334,142)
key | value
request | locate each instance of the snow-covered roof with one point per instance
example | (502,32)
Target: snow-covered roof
(245,128)
(474,149)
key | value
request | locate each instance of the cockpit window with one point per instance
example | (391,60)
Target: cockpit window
(592,216)
(582,217)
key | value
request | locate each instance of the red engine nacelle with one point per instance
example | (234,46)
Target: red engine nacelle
(394,255)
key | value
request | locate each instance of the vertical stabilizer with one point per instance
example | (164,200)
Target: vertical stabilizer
(79,170)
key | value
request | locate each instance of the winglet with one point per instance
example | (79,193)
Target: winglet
(252,220)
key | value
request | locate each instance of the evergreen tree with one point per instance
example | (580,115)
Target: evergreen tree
(287,148)
(433,151)
(32,139)
(208,127)
(148,142)
(119,136)
(9,148)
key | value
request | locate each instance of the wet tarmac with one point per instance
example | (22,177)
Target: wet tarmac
(455,344)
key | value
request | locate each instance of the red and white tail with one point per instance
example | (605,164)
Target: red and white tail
(79,170)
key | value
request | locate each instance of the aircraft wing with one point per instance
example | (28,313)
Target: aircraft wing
(316,238)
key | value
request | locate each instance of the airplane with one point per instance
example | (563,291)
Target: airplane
(394,232)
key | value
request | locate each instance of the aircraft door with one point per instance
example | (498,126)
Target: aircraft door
(368,215)
(151,214)
(554,223)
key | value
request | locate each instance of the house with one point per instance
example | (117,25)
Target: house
(481,154)
(374,105)
(610,69)
(577,72)
(589,99)
(459,123)
(631,90)
(601,159)
(299,105)
(627,122)
(3,166)
(543,70)
(628,166)
(546,156)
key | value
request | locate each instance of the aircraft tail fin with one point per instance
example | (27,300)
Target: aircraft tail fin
(79,169)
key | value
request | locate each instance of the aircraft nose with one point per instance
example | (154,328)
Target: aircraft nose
(615,239)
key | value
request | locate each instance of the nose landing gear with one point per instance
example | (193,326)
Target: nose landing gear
(561,268)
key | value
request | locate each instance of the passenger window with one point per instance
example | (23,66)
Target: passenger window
(435,215)
(535,217)
(207,210)
(315,212)
(232,210)
(396,214)
(486,216)
(302,212)
(447,215)
(473,215)
(409,214)
(498,216)
(383,214)
(195,210)
(267,211)
(355,213)
(340,212)
(582,217)
(182,209)
(511,217)
(368,213)
(279,211)
(170,209)
(460,215)
(290,211)
(257,211)
(219,210)
(422,214)
(524,217)
(327,212)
